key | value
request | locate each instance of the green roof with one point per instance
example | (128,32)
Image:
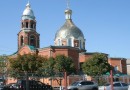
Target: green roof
(31,47)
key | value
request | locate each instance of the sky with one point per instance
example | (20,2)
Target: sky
(105,23)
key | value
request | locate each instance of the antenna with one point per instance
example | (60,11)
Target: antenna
(68,4)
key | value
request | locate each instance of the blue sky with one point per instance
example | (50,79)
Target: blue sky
(105,23)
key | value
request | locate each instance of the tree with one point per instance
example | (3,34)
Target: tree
(3,66)
(64,64)
(97,65)
(47,69)
(50,66)
(27,63)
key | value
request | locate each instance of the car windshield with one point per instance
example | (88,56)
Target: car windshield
(74,84)
(1,80)
(107,84)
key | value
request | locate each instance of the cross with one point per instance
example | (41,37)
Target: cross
(68,4)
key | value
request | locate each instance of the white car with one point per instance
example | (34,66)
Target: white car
(83,85)
(117,86)
(101,87)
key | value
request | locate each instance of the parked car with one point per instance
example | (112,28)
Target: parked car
(10,86)
(117,86)
(1,87)
(83,85)
(101,88)
(33,85)
(2,81)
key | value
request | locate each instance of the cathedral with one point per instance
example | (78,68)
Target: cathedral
(69,41)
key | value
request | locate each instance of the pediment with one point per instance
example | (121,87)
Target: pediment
(24,50)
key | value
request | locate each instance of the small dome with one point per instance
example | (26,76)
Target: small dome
(28,12)
(69,30)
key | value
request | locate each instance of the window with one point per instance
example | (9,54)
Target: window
(26,24)
(116,68)
(83,83)
(75,83)
(89,83)
(59,42)
(32,25)
(117,85)
(69,42)
(32,40)
(124,84)
(21,39)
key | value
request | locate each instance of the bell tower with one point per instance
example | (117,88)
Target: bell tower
(28,34)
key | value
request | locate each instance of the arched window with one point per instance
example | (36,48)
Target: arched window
(21,40)
(26,24)
(70,42)
(32,25)
(83,45)
(32,41)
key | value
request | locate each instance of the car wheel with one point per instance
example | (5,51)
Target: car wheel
(75,89)
(95,89)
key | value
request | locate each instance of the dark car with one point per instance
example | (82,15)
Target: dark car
(33,85)
(10,86)
(2,81)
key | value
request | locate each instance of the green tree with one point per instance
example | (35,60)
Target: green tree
(64,64)
(47,69)
(3,65)
(97,65)
(27,63)
(50,66)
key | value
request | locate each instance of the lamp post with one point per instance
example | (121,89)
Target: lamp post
(111,76)
(121,65)
(65,79)
(26,76)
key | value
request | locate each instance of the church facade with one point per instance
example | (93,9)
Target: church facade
(69,41)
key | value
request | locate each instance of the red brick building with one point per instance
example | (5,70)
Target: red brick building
(69,40)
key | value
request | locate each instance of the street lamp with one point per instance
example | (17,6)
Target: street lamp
(121,65)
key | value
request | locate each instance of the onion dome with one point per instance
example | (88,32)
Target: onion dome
(28,13)
(69,34)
